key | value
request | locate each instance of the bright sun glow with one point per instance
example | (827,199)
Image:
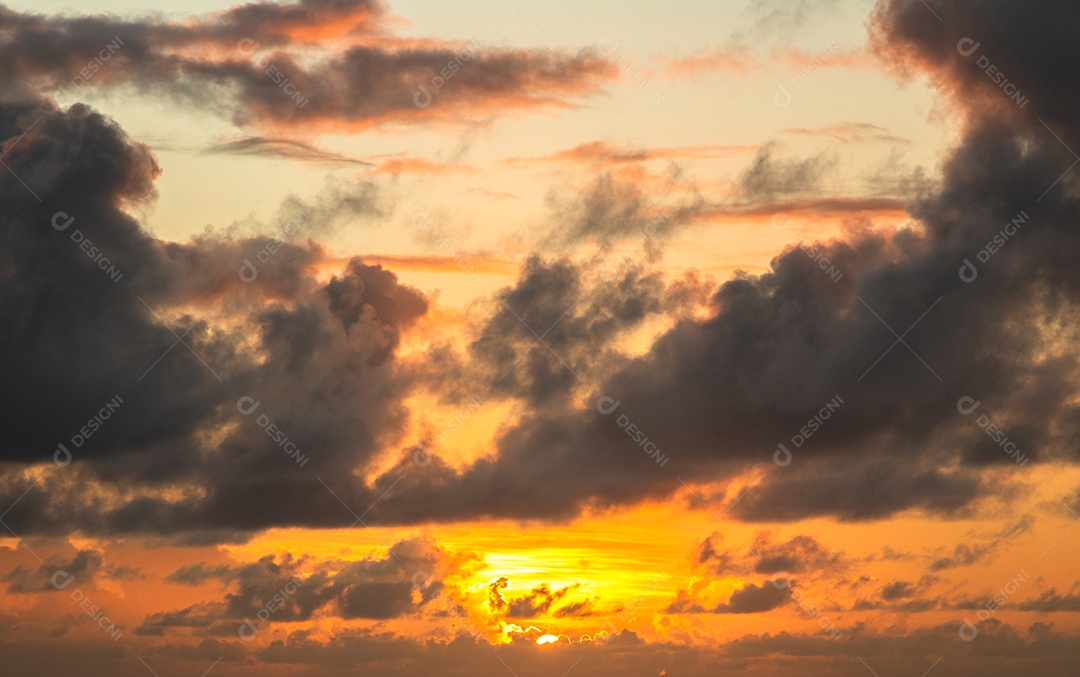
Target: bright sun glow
(547,639)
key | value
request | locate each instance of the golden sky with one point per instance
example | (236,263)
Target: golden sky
(409,338)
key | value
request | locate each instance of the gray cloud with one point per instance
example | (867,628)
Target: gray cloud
(259,64)
(749,599)
(715,393)
(373,588)
(288,149)
(85,566)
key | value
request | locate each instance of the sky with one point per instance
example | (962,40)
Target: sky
(405,338)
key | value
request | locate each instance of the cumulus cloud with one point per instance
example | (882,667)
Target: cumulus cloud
(119,344)
(376,588)
(539,601)
(752,598)
(84,567)
(716,392)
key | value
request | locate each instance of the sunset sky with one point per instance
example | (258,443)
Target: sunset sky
(409,338)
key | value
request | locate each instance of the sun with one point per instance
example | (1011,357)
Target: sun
(547,639)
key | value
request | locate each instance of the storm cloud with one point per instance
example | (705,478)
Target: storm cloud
(716,393)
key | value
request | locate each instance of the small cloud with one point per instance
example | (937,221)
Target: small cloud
(286,149)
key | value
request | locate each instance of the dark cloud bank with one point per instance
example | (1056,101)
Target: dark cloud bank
(320,63)
(717,395)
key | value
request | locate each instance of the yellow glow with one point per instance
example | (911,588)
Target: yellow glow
(547,639)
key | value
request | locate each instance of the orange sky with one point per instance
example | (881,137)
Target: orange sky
(537,340)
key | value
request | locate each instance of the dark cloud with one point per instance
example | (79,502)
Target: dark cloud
(715,393)
(720,560)
(800,553)
(1051,600)
(194,616)
(769,176)
(877,490)
(325,65)
(897,590)
(337,205)
(605,209)
(495,597)
(539,602)
(1021,526)
(531,346)
(85,566)
(963,555)
(754,599)
(287,149)
(297,589)
(87,339)
(748,599)
(581,609)
(719,394)
(1002,650)
(766,555)
(199,573)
